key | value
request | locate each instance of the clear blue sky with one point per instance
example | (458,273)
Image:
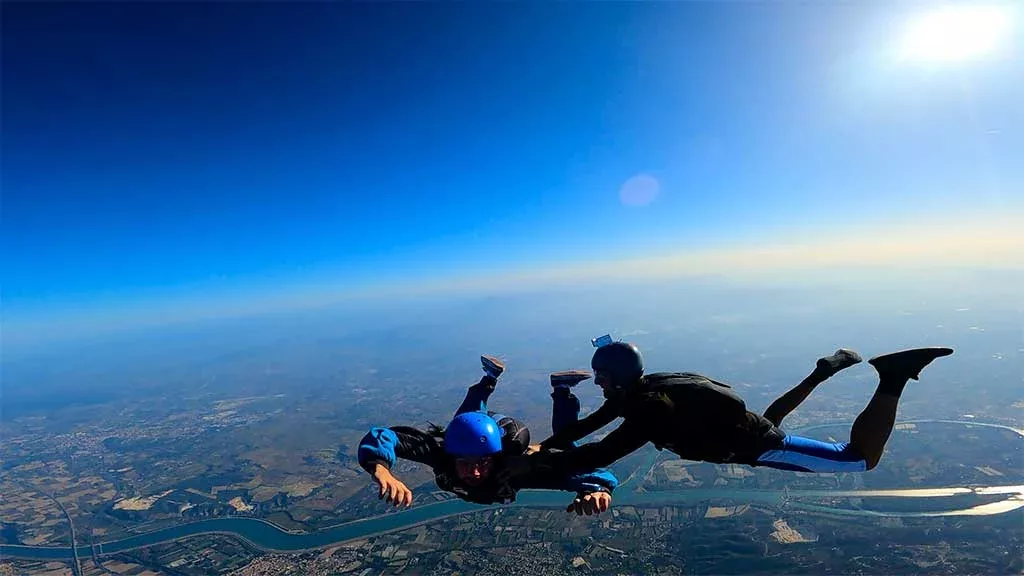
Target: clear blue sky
(182,147)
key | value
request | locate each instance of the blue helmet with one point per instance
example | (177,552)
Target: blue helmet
(472,434)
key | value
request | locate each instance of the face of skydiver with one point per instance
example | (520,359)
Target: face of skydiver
(474,471)
(604,380)
(474,439)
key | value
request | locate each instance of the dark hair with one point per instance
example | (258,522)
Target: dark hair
(435,431)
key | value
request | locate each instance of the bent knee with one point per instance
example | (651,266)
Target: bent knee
(870,462)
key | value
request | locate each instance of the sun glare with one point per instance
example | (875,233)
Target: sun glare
(955,33)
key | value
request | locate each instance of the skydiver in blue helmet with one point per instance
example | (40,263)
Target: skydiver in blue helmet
(468,455)
(701,419)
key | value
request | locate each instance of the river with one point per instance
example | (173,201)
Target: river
(267,536)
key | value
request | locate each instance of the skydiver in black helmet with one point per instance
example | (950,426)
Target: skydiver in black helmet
(702,419)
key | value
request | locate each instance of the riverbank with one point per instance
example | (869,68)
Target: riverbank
(269,537)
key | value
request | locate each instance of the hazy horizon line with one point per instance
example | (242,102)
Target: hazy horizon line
(995,244)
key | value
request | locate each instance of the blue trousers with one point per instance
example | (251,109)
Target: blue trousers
(801,454)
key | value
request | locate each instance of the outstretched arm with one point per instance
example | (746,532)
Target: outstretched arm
(561,470)
(580,429)
(593,489)
(386,445)
(380,449)
(621,442)
(599,480)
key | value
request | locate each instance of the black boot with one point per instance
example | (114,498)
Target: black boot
(906,364)
(829,366)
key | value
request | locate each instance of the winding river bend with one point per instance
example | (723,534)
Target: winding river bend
(267,536)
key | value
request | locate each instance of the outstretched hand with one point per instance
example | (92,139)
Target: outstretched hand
(393,490)
(590,504)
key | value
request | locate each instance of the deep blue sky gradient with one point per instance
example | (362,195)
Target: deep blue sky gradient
(167,148)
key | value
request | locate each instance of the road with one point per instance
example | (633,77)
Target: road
(76,567)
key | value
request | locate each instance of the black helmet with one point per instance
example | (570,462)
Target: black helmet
(622,362)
